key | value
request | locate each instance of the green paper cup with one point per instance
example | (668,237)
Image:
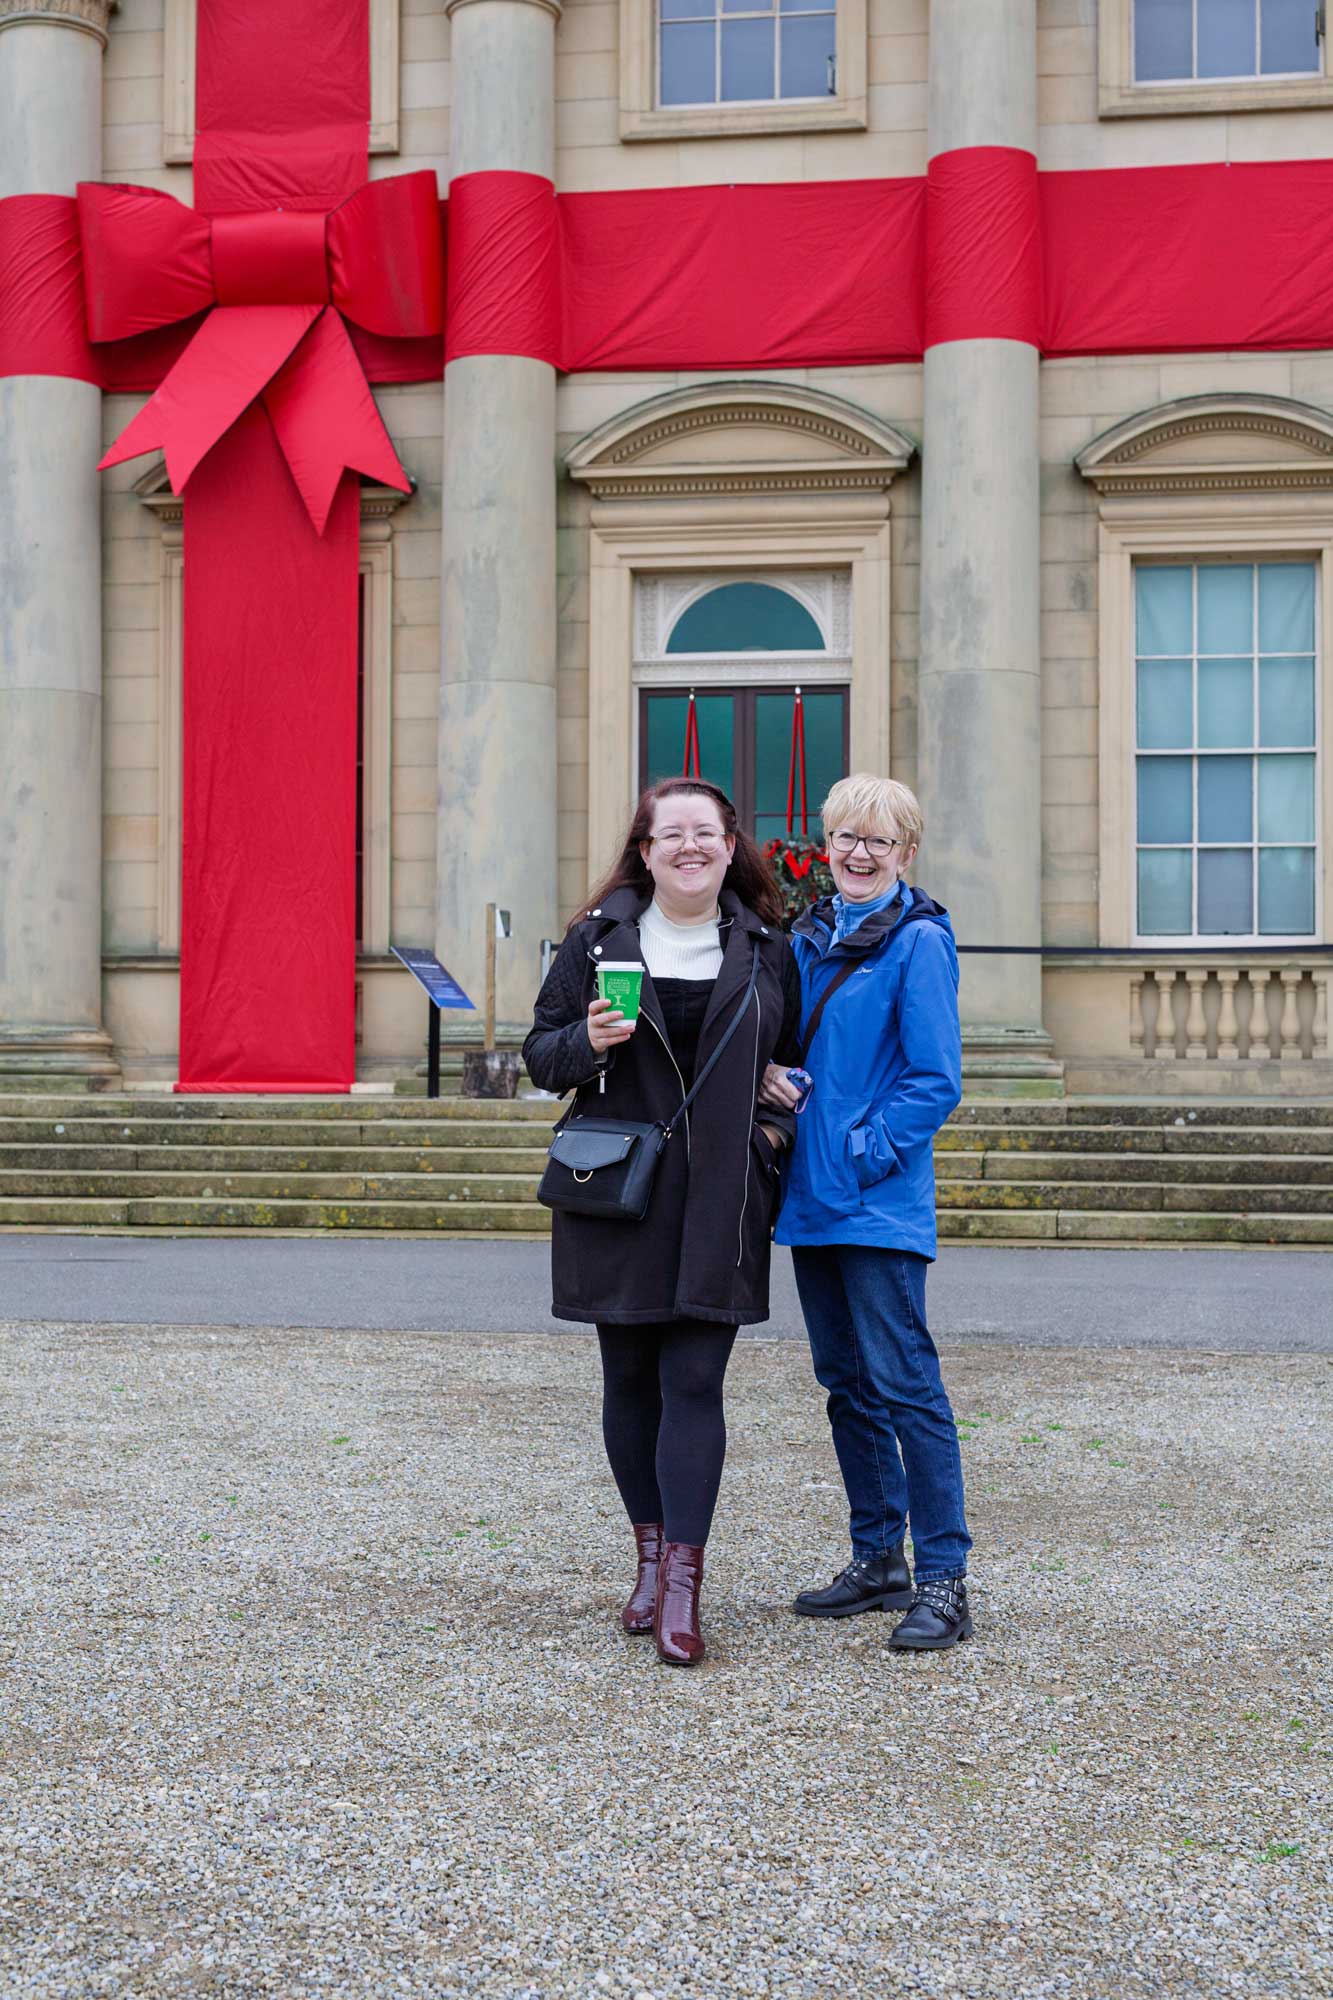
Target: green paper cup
(621,984)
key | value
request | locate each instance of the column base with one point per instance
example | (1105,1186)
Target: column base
(1011,1062)
(57,1060)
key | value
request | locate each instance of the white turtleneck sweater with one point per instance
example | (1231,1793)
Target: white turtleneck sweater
(679,951)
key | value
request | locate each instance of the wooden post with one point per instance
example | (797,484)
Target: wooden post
(489,1022)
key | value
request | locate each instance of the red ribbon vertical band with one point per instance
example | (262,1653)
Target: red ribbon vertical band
(983,246)
(268,909)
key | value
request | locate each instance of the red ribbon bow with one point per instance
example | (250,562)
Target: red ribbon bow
(279,282)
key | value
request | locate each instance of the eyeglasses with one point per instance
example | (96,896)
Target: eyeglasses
(705,838)
(845,841)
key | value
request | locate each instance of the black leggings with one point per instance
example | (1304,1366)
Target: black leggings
(662,1421)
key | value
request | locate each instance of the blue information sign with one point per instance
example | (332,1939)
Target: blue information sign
(442,987)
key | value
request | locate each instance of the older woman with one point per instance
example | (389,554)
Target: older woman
(879,981)
(691,900)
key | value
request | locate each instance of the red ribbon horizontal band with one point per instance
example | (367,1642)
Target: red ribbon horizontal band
(983,247)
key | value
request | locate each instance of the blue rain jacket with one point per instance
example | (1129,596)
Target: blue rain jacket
(887,1064)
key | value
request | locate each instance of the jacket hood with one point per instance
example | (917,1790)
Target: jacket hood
(919,909)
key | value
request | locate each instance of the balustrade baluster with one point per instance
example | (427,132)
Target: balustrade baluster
(1228,1043)
(1136,1014)
(1196,1026)
(1164,1041)
(1289,1033)
(1319,1035)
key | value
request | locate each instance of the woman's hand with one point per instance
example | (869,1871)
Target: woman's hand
(776,1091)
(607,1026)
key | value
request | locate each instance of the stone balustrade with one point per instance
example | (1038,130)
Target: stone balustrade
(1234,1010)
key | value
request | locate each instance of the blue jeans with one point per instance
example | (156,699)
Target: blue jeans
(893,1429)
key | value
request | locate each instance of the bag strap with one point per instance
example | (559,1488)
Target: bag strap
(708,1067)
(840,978)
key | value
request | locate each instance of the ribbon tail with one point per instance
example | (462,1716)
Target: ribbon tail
(236,351)
(326,420)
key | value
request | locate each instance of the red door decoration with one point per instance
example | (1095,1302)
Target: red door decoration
(797,763)
(691,767)
(261,317)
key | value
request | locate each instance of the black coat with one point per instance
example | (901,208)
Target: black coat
(702,1250)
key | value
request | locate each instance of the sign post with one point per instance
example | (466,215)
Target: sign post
(442,990)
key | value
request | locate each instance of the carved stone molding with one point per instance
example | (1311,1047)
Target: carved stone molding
(90,17)
(153,489)
(740,437)
(1214,444)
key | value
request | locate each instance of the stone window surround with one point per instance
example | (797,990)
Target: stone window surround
(663,503)
(641,117)
(178,79)
(1169,484)
(1119,96)
(378,505)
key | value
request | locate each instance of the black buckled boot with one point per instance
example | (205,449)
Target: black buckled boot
(869,1583)
(939,1617)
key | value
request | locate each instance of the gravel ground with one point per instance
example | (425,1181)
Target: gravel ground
(312,1685)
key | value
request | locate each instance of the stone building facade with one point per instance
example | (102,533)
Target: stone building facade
(1081,605)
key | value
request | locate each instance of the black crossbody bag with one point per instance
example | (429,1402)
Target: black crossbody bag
(607,1166)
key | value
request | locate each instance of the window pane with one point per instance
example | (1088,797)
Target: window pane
(1166,705)
(1226,891)
(1286,891)
(747,60)
(807,55)
(666,718)
(772,758)
(1166,809)
(1286,607)
(1286,798)
(1165,610)
(1226,704)
(685,10)
(1286,703)
(1289,37)
(1163,40)
(1165,890)
(1226,38)
(746,618)
(747,6)
(1226,608)
(688,68)
(1226,804)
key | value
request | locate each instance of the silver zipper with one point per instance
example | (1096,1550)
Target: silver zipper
(679,1078)
(749,1144)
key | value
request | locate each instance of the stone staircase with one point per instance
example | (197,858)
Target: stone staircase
(1073,1170)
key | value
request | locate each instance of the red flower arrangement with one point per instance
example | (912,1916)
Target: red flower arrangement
(801,870)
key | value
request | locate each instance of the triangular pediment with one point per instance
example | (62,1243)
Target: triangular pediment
(1213,443)
(730,437)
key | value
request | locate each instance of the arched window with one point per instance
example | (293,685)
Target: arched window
(746,618)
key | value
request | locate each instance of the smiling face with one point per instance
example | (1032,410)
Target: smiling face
(688,854)
(866,862)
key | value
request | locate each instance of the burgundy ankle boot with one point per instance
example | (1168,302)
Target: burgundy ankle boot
(638,1613)
(680,1643)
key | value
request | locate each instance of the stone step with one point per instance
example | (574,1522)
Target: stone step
(284,1110)
(227,1132)
(431,1188)
(1074,1225)
(215,1160)
(1297,1170)
(1122,1139)
(481,1218)
(1129,1196)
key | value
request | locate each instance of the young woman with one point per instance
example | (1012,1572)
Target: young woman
(691,899)
(859,1210)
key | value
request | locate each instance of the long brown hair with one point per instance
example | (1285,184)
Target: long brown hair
(748,876)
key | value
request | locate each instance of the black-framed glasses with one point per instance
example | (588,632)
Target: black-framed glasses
(705,838)
(844,841)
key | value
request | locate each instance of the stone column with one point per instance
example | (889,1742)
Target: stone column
(50,594)
(980,671)
(497,747)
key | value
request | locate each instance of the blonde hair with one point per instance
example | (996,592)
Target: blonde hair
(874,805)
